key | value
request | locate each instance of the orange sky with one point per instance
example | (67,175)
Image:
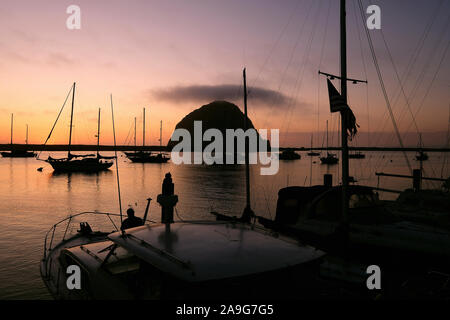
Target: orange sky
(174,56)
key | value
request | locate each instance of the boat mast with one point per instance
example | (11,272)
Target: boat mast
(98,133)
(345,168)
(26,136)
(160,137)
(143,131)
(248,213)
(71,121)
(135,147)
(12,124)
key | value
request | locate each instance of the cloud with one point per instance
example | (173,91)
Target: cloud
(230,92)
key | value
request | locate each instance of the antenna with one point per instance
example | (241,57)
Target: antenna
(12,124)
(98,133)
(71,120)
(248,212)
(117,162)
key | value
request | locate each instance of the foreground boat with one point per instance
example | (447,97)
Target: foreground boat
(373,234)
(179,260)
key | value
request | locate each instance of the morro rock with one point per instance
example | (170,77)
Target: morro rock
(219,115)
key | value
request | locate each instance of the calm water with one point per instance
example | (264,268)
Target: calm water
(32,201)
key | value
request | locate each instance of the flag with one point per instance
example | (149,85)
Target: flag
(338,104)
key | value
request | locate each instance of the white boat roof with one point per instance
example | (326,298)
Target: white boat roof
(204,251)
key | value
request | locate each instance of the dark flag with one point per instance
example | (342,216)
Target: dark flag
(337,104)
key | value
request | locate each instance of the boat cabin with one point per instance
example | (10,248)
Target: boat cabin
(208,260)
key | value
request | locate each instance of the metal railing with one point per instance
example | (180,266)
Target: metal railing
(48,246)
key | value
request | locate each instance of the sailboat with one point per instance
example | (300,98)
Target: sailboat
(80,163)
(128,153)
(330,158)
(356,155)
(289,154)
(312,153)
(17,153)
(146,156)
(421,156)
(222,259)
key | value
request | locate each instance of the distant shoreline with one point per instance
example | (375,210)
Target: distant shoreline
(87,147)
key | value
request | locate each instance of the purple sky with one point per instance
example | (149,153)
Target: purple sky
(174,56)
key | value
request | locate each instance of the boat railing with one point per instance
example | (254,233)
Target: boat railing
(50,235)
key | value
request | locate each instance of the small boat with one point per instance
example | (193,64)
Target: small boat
(330,157)
(289,154)
(17,153)
(147,156)
(88,163)
(421,156)
(312,153)
(356,155)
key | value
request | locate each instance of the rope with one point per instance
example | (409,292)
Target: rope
(54,124)
(380,77)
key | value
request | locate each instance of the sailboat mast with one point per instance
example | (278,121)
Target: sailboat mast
(71,121)
(135,146)
(12,124)
(143,130)
(98,133)
(160,137)
(344,145)
(26,136)
(327,137)
(247,211)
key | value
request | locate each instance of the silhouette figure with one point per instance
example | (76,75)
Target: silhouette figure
(132,221)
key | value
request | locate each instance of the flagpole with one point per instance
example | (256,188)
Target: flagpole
(344,145)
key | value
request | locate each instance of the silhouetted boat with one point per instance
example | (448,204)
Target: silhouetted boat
(147,156)
(289,154)
(80,163)
(312,153)
(17,153)
(421,156)
(356,155)
(330,157)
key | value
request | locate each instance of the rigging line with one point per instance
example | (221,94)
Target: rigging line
(447,143)
(291,57)
(117,159)
(275,44)
(419,80)
(433,79)
(426,67)
(414,57)
(54,124)
(380,77)
(399,81)
(365,71)
(303,67)
(320,66)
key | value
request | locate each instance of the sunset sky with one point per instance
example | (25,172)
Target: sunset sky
(175,56)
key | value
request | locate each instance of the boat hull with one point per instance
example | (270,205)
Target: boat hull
(84,165)
(18,154)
